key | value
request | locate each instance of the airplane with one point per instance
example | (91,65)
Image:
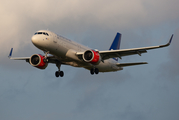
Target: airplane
(62,51)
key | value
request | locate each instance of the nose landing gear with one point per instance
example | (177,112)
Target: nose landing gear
(59,73)
(46,59)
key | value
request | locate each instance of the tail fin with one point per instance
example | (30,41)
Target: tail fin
(116,43)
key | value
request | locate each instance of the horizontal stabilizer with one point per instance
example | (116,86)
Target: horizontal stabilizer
(130,64)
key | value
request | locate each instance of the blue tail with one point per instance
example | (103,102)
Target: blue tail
(116,43)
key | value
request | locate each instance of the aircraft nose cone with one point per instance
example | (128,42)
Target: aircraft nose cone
(34,40)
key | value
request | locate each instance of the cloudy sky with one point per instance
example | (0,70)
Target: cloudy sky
(148,92)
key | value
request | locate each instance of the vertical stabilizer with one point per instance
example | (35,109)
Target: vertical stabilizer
(116,43)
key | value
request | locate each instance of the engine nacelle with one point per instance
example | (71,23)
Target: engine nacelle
(91,56)
(36,60)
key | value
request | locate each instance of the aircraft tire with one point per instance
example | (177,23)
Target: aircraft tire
(92,71)
(61,73)
(57,73)
(96,70)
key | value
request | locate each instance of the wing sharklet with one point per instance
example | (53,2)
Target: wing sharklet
(168,42)
(10,54)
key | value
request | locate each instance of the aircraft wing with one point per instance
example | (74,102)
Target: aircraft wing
(17,58)
(126,52)
(51,59)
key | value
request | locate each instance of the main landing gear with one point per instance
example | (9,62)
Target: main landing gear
(94,70)
(59,73)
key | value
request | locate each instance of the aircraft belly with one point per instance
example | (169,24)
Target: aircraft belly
(107,66)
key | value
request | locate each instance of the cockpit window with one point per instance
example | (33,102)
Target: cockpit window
(44,33)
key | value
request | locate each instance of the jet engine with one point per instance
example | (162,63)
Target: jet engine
(37,60)
(91,56)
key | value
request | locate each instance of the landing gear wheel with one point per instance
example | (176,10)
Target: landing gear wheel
(96,70)
(92,71)
(59,73)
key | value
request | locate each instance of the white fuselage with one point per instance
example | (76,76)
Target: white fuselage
(63,49)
